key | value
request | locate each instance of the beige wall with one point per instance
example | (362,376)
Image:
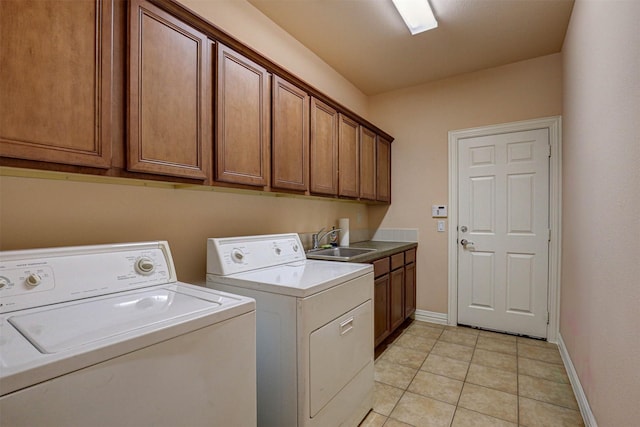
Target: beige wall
(600,314)
(43,212)
(420,119)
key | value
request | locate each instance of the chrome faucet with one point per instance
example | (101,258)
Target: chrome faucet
(317,237)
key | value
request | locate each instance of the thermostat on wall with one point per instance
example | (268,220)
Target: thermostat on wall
(439,211)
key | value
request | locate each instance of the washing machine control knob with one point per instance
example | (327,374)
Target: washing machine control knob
(4,282)
(237,255)
(33,280)
(144,265)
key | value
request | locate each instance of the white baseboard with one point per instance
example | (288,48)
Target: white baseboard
(431,316)
(583,403)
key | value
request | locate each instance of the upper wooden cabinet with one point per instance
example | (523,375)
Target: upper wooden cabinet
(170,76)
(383,170)
(290,137)
(324,148)
(368,142)
(242,111)
(349,158)
(56,81)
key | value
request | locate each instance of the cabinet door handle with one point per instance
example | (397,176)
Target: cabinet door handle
(346,326)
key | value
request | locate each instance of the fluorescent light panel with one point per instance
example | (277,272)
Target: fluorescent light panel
(417,14)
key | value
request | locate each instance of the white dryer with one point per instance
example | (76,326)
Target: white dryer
(314,328)
(106,336)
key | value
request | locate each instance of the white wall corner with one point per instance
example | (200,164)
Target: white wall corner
(431,317)
(583,403)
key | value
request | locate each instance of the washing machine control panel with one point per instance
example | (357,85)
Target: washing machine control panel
(239,254)
(32,278)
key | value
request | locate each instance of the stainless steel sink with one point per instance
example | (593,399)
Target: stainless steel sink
(337,254)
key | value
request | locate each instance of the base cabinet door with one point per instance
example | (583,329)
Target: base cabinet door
(396,302)
(382,327)
(409,289)
(243,120)
(170,130)
(56,81)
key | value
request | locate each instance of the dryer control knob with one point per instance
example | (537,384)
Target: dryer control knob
(33,280)
(145,266)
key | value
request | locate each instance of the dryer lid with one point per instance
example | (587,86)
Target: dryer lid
(61,328)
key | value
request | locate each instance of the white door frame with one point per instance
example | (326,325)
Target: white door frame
(554,125)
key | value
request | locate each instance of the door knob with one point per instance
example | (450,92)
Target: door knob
(465,242)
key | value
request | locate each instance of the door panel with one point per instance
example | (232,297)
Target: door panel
(504,205)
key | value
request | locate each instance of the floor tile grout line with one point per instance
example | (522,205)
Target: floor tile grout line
(465,380)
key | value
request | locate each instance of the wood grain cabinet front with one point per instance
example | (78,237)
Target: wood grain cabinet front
(243,120)
(368,142)
(394,292)
(56,81)
(324,148)
(169,110)
(290,136)
(349,158)
(383,170)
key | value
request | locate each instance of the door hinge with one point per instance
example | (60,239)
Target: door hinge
(547,317)
(549,150)
(549,235)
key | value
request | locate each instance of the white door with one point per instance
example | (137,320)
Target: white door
(503,232)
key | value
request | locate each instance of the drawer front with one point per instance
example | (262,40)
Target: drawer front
(380,267)
(397,261)
(410,256)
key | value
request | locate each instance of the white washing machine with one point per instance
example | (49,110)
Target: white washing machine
(106,336)
(314,328)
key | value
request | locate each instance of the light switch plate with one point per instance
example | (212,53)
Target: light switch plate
(441,226)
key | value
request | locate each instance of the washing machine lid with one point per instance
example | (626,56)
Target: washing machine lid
(299,279)
(57,329)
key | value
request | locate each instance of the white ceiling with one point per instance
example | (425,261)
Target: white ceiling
(367,42)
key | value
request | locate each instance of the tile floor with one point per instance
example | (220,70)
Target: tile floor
(433,375)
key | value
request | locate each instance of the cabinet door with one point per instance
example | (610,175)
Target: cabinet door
(383,170)
(409,289)
(290,136)
(349,158)
(169,95)
(368,140)
(56,81)
(243,122)
(324,148)
(382,327)
(397,298)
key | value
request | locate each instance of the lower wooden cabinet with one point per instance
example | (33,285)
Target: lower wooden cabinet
(381,328)
(396,302)
(394,292)
(409,289)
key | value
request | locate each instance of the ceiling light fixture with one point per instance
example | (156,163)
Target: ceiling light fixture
(417,14)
